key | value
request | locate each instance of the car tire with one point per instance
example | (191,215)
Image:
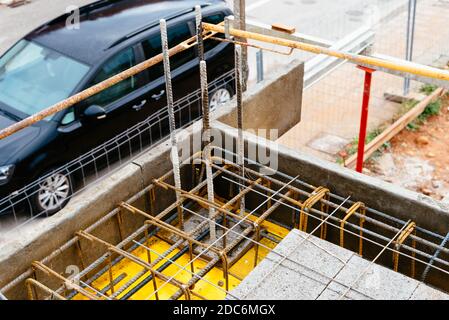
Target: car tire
(219,97)
(52,193)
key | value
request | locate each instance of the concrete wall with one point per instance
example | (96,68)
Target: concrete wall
(272,104)
(41,237)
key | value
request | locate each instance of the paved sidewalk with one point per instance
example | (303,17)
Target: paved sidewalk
(332,107)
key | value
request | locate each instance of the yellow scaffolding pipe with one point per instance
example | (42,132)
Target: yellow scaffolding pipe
(416,69)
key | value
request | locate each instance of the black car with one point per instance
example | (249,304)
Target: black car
(56,61)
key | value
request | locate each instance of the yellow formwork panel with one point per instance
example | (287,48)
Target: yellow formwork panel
(246,264)
(272,228)
(203,288)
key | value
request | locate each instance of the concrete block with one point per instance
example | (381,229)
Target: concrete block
(312,253)
(377,282)
(317,269)
(303,276)
(424,292)
(335,294)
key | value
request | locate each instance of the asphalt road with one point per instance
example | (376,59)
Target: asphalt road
(329,19)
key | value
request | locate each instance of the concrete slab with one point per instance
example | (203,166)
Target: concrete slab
(328,143)
(377,282)
(424,292)
(297,277)
(319,270)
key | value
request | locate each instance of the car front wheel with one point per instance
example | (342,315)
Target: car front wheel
(219,97)
(52,194)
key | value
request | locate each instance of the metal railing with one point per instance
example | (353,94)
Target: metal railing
(111,155)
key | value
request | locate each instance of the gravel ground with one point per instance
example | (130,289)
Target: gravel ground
(419,159)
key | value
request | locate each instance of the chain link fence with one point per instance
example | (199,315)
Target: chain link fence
(331,107)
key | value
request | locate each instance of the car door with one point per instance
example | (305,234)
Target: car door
(121,103)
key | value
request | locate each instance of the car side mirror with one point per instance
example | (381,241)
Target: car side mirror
(95,112)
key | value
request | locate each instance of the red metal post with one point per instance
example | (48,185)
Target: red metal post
(364,116)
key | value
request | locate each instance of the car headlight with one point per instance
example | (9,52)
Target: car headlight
(6,174)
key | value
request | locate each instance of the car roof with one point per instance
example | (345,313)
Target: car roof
(104,23)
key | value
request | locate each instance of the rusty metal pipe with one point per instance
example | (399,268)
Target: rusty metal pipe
(415,69)
(89,92)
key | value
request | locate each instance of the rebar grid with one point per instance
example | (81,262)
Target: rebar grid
(339,225)
(385,247)
(229,210)
(387,225)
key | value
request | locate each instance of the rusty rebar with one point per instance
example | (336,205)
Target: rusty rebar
(171,116)
(207,147)
(30,283)
(240,141)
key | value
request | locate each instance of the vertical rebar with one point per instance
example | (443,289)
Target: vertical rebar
(411,19)
(199,39)
(207,149)
(199,32)
(240,23)
(240,142)
(111,276)
(259,60)
(171,116)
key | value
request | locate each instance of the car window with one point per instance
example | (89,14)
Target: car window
(209,44)
(33,77)
(120,62)
(152,47)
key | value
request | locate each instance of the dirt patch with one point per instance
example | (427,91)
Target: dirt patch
(418,157)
